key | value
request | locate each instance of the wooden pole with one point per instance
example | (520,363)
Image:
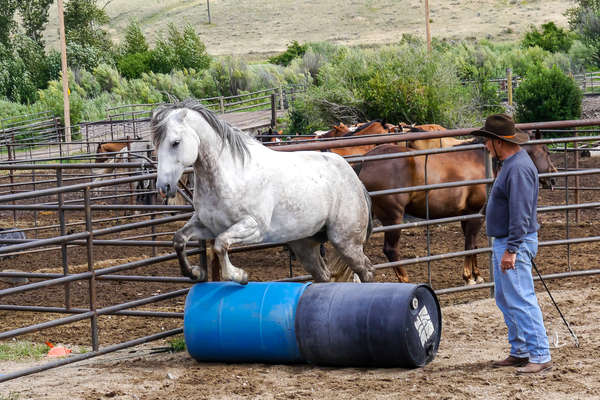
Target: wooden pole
(509,86)
(65,73)
(208,10)
(427,27)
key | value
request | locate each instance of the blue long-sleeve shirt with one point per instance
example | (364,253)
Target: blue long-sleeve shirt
(511,207)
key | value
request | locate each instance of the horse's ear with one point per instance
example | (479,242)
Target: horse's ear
(181,115)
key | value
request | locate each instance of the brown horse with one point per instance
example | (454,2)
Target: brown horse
(441,168)
(374,127)
(424,144)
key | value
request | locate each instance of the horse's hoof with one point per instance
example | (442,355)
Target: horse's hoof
(199,274)
(480,279)
(243,279)
(471,281)
(355,278)
(367,276)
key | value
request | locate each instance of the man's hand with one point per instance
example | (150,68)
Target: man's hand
(508,261)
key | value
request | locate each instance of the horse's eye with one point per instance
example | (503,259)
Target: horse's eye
(176,143)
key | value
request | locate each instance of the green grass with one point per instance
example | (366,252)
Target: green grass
(10,396)
(177,344)
(18,350)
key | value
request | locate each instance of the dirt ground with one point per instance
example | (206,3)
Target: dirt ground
(473,332)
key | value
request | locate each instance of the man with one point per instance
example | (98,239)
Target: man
(511,220)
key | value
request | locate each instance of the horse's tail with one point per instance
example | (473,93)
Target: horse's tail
(370,210)
(339,270)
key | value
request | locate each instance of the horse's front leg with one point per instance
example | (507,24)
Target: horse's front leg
(245,231)
(192,230)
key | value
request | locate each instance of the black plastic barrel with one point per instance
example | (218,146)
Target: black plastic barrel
(368,324)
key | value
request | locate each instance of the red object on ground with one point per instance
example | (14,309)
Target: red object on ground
(58,352)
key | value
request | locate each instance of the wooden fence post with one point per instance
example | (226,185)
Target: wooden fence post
(273,111)
(509,85)
(281,107)
(221,105)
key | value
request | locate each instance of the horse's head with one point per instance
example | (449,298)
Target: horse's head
(176,147)
(541,158)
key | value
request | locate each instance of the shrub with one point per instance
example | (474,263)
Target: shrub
(581,56)
(133,65)
(550,38)
(52,99)
(179,51)
(398,84)
(108,77)
(134,42)
(293,50)
(547,95)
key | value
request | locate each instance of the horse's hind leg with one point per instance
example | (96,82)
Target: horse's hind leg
(308,253)
(390,249)
(351,252)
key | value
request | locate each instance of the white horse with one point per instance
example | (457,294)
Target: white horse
(247,193)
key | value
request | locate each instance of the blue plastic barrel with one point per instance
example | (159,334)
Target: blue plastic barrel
(228,322)
(368,324)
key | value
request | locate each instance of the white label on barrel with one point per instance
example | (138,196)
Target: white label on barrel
(424,326)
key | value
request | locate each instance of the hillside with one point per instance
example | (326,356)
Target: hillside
(267,26)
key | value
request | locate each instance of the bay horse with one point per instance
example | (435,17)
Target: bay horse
(245,193)
(449,202)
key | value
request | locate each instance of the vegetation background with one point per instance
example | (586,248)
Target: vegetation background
(358,59)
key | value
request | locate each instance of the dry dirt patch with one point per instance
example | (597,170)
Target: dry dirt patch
(473,334)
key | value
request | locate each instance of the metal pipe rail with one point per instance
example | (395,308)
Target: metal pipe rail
(62,310)
(88,314)
(97,273)
(91,354)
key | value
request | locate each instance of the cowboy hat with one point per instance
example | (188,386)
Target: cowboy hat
(502,126)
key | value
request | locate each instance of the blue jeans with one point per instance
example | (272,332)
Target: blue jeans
(515,297)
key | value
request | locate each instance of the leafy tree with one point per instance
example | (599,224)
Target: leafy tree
(547,94)
(34,15)
(585,20)
(135,41)
(550,38)
(179,51)
(7,23)
(89,44)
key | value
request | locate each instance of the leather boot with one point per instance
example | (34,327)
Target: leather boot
(535,368)
(511,361)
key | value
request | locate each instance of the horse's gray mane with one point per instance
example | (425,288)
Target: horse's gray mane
(235,138)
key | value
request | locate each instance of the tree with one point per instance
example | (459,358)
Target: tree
(547,95)
(82,26)
(179,51)
(550,38)
(135,42)
(7,22)
(34,15)
(585,20)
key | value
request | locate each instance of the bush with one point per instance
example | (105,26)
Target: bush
(294,50)
(547,95)
(52,99)
(398,84)
(179,51)
(550,38)
(133,65)
(135,42)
